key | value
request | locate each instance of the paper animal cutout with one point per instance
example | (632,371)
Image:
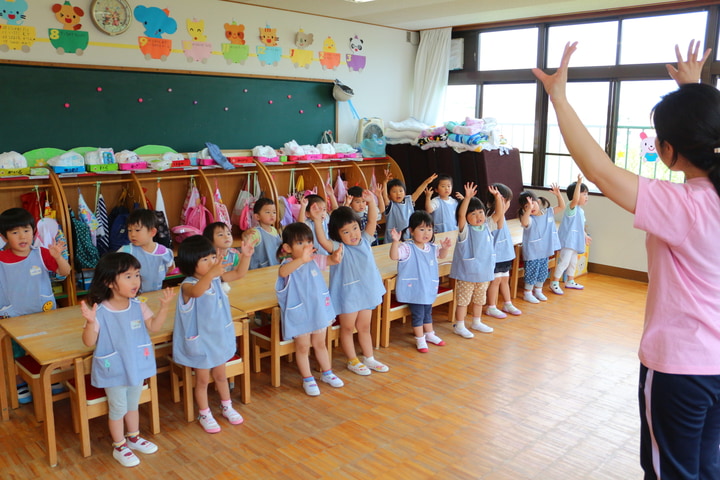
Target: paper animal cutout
(198,49)
(157,23)
(269,53)
(236,51)
(354,60)
(300,56)
(329,58)
(647,148)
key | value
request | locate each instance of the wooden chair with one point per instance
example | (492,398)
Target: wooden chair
(238,365)
(29,370)
(266,341)
(392,310)
(90,402)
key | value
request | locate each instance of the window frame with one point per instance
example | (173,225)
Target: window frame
(614,74)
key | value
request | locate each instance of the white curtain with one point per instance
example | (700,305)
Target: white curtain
(431,74)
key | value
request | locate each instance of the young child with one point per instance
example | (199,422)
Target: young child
(540,240)
(305,303)
(572,237)
(117,324)
(355,284)
(358,204)
(417,279)
(399,205)
(221,237)
(204,335)
(312,208)
(265,237)
(504,254)
(473,261)
(443,207)
(156,260)
(25,285)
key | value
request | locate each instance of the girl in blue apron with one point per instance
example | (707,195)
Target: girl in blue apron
(204,335)
(417,279)
(117,324)
(355,284)
(265,238)
(305,303)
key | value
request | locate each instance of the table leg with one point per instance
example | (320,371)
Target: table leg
(5,376)
(50,439)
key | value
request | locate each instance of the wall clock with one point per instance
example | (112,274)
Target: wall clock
(111,16)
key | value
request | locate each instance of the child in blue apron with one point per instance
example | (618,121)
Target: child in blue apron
(305,303)
(417,279)
(204,335)
(355,284)
(117,324)
(265,237)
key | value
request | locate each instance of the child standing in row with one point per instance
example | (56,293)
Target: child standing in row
(473,261)
(25,285)
(355,284)
(204,335)
(504,254)
(540,240)
(443,207)
(305,303)
(156,259)
(358,204)
(265,237)
(117,325)
(399,205)
(572,237)
(417,279)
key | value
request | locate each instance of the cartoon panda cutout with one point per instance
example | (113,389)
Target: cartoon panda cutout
(355,61)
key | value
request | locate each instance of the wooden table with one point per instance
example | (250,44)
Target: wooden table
(54,340)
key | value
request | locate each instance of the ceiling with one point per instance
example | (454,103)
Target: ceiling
(425,14)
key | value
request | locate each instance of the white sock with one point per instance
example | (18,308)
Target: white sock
(460,325)
(477,320)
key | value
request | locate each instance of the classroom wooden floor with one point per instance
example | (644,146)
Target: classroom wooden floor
(549,395)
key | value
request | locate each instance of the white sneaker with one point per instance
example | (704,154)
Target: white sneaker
(539,295)
(125,456)
(311,388)
(529,297)
(555,288)
(232,415)
(481,327)
(208,423)
(574,285)
(495,312)
(462,331)
(359,368)
(511,309)
(142,445)
(332,380)
(373,364)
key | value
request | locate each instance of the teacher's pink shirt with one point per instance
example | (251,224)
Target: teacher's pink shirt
(682,315)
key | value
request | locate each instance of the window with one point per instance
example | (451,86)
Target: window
(594,47)
(590,100)
(617,75)
(508,49)
(513,107)
(459,103)
(653,39)
(637,98)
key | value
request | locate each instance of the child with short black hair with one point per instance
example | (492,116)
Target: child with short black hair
(418,275)
(25,285)
(399,205)
(156,259)
(204,335)
(357,203)
(117,324)
(314,207)
(443,206)
(221,237)
(540,240)
(305,303)
(572,237)
(265,237)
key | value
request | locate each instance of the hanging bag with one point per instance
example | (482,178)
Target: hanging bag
(86,254)
(162,236)
(221,211)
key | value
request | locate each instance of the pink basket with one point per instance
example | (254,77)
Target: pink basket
(132,166)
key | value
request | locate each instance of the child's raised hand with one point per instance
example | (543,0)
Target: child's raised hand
(307,253)
(378,189)
(580,179)
(303,203)
(337,255)
(429,191)
(555,189)
(167,296)
(368,196)
(56,248)
(247,248)
(395,235)
(431,178)
(316,212)
(388,175)
(446,243)
(348,200)
(459,196)
(90,314)
(470,189)
(218,267)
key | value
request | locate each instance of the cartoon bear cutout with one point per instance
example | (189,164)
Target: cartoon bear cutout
(236,51)
(301,57)
(70,38)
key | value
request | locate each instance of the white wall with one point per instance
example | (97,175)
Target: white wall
(615,242)
(382,89)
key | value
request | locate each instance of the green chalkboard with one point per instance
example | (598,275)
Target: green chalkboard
(47,106)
